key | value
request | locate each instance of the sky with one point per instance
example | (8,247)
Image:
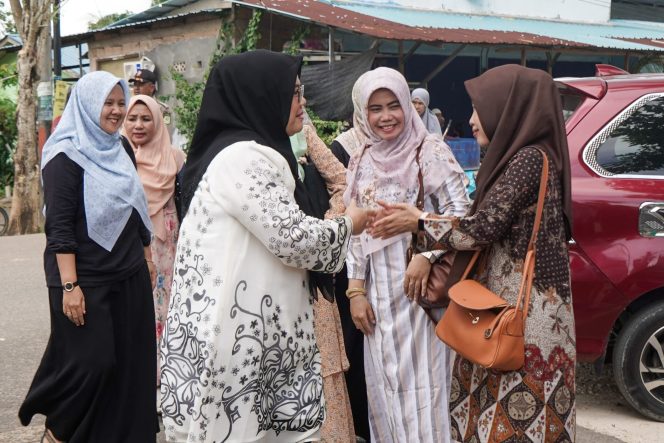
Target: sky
(75,14)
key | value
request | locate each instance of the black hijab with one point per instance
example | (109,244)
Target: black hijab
(248,97)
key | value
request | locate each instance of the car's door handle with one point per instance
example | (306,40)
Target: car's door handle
(651,219)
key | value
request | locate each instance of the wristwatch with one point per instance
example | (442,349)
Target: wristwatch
(420,221)
(69,286)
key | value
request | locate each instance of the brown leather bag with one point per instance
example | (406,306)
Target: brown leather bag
(480,325)
(437,287)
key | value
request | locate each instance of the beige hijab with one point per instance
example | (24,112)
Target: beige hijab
(158,162)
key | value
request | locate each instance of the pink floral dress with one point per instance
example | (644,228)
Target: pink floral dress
(163,255)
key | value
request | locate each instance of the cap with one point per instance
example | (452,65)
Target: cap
(437,111)
(143,76)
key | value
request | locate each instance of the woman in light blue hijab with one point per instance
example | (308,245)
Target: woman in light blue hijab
(420,99)
(96,379)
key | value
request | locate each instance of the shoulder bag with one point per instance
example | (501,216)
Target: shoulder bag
(480,325)
(436,292)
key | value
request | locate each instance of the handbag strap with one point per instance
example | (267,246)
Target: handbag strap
(420,194)
(529,261)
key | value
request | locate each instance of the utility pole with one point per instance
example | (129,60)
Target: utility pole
(45,87)
(57,47)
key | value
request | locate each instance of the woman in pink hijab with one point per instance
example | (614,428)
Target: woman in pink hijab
(406,366)
(158,163)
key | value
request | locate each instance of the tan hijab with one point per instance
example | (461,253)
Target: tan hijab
(158,162)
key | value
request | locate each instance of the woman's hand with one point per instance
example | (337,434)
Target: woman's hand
(361,217)
(394,219)
(153,273)
(73,305)
(362,314)
(416,278)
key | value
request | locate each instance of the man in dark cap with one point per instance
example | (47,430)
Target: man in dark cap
(145,82)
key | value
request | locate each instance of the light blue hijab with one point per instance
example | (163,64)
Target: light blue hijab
(111,186)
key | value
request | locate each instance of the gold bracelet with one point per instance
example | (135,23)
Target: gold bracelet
(354,292)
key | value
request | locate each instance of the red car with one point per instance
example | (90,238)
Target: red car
(615,129)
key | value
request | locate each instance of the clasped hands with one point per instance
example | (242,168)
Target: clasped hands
(394,219)
(387,221)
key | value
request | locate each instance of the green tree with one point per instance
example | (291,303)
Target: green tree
(32,18)
(8,132)
(190,94)
(106,20)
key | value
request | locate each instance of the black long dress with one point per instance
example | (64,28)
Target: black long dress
(95,382)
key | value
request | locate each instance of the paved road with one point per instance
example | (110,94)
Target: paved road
(24,328)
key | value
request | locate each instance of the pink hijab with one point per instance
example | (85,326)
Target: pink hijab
(387,170)
(158,162)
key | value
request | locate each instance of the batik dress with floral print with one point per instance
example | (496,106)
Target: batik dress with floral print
(536,403)
(239,355)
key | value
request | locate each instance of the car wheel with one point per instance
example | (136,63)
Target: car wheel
(638,361)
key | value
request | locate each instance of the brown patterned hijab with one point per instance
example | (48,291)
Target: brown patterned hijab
(520,107)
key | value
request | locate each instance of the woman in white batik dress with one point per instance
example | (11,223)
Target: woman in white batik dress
(240,361)
(406,366)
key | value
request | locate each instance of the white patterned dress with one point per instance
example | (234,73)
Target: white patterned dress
(239,355)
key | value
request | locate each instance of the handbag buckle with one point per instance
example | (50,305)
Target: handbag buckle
(487,333)
(474,319)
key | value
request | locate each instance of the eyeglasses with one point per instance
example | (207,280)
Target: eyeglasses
(299,92)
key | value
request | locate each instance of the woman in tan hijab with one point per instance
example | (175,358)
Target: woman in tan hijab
(158,164)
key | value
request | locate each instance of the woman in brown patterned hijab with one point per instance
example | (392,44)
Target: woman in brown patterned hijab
(520,107)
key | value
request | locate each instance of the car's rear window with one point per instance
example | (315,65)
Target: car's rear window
(570,102)
(635,145)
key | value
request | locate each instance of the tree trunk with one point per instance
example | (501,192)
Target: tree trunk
(25,217)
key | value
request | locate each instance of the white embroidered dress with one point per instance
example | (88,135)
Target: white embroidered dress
(239,356)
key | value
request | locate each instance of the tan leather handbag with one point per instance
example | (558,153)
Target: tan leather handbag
(480,325)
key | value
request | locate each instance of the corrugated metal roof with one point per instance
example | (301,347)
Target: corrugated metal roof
(601,35)
(152,13)
(399,23)
(11,42)
(81,36)
(376,26)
